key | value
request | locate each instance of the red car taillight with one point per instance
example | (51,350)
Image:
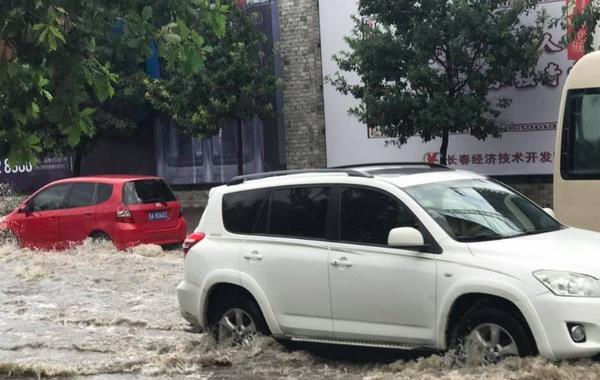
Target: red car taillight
(191,241)
(124,215)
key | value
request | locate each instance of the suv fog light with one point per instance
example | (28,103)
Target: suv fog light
(577,332)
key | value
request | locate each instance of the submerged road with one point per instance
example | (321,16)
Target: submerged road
(94,313)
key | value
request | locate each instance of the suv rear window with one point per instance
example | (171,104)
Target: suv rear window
(241,209)
(147,191)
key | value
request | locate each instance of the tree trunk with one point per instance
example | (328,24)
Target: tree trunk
(77,162)
(7,51)
(444,147)
(240,148)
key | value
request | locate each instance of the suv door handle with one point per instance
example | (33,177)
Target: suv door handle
(253,256)
(343,262)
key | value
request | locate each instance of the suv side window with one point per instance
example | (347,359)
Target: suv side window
(52,198)
(82,195)
(241,209)
(367,216)
(299,212)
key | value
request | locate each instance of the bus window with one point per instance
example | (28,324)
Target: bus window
(581,135)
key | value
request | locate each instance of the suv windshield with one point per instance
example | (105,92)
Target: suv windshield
(147,191)
(480,209)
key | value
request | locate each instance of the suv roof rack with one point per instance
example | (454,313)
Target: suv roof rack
(243,178)
(432,165)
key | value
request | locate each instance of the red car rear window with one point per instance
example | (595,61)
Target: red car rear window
(147,191)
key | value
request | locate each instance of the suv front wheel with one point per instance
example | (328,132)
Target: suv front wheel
(489,335)
(237,319)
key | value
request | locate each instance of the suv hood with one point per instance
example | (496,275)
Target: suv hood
(570,249)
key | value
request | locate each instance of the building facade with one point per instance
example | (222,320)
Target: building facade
(312,127)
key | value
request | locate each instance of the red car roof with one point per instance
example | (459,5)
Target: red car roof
(107,178)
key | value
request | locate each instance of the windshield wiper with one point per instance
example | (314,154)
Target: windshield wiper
(476,238)
(457,212)
(543,231)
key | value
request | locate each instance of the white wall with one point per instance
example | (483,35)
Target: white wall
(534,110)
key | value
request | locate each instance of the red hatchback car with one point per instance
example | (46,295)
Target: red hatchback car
(127,210)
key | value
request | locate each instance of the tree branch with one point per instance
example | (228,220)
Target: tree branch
(464,83)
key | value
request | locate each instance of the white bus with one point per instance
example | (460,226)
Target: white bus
(577,163)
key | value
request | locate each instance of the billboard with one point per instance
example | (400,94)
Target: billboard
(184,160)
(528,125)
(29,177)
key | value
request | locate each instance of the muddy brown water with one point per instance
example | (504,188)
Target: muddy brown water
(94,313)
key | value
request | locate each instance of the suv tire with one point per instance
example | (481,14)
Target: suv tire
(238,318)
(491,334)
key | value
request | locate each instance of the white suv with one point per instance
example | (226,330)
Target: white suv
(405,255)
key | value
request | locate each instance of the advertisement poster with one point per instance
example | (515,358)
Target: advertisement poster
(575,48)
(184,160)
(528,125)
(29,177)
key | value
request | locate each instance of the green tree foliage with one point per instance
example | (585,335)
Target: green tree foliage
(72,70)
(426,67)
(236,82)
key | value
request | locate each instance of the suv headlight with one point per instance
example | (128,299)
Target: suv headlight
(569,284)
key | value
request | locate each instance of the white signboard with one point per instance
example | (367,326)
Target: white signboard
(529,125)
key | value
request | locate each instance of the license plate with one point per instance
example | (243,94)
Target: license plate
(154,216)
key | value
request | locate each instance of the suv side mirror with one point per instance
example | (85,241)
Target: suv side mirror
(549,211)
(405,237)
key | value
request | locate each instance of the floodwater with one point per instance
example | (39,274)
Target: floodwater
(95,313)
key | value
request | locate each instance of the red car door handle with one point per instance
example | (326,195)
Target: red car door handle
(89,214)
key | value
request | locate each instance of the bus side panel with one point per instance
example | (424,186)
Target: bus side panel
(576,201)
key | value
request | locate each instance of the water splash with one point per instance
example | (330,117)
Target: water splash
(9,198)
(93,311)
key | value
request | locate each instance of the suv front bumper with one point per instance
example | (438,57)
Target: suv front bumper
(555,312)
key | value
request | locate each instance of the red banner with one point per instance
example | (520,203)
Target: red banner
(576,48)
